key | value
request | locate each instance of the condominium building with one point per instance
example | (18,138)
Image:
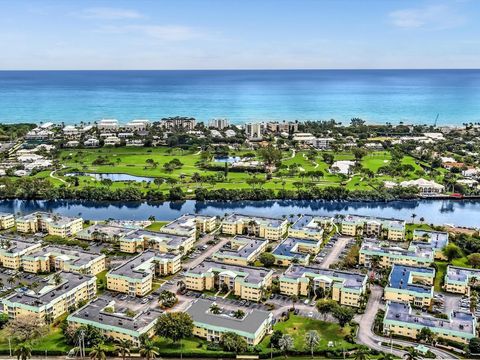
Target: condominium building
(12,250)
(178,122)
(347,288)
(241,250)
(268,228)
(139,240)
(295,250)
(211,326)
(219,123)
(7,221)
(137,125)
(437,240)
(391,229)
(254,131)
(113,323)
(459,280)
(104,233)
(282,127)
(54,299)
(411,284)
(246,282)
(54,258)
(135,276)
(310,227)
(189,224)
(388,255)
(108,125)
(401,320)
(53,224)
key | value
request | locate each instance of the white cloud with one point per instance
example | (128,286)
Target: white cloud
(107,13)
(159,32)
(435,17)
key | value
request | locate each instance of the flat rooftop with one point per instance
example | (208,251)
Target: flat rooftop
(199,310)
(74,257)
(17,244)
(378,247)
(401,278)
(251,274)
(289,247)
(458,321)
(310,222)
(93,313)
(50,291)
(108,230)
(455,273)
(348,279)
(141,265)
(389,222)
(265,221)
(58,220)
(436,239)
(184,223)
(173,241)
(249,245)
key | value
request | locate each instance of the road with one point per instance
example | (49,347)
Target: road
(367,337)
(334,252)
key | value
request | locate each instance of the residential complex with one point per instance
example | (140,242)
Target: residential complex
(7,221)
(54,299)
(345,287)
(295,250)
(268,228)
(52,224)
(242,250)
(103,232)
(246,282)
(207,325)
(401,320)
(12,250)
(437,240)
(188,225)
(458,280)
(391,229)
(139,240)
(410,284)
(310,227)
(103,314)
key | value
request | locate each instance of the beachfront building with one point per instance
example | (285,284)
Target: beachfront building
(110,125)
(437,240)
(178,123)
(12,250)
(295,250)
(402,321)
(137,125)
(246,282)
(347,288)
(242,250)
(52,224)
(410,284)
(254,131)
(104,233)
(135,276)
(310,227)
(54,258)
(386,255)
(139,240)
(189,224)
(57,297)
(211,326)
(391,229)
(219,123)
(425,187)
(7,221)
(459,280)
(277,127)
(113,323)
(268,228)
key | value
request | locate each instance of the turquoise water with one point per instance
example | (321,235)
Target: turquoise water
(411,96)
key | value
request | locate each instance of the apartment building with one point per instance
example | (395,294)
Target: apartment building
(12,250)
(437,240)
(391,229)
(252,327)
(241,250)
(401,320)
(104,233)
(108,125)
(246,282)
(459,280)
(54,258)
(219,123)
(139,240)
(103,314)
(347,288)
(254,131)
(264,227)
(137,125)
(54,299)
(7,221)
(288,127)
(295,250)
(178,122)
(135,276)
(310,227)
(410,284)
(389,255)
(52,224)
(189,224)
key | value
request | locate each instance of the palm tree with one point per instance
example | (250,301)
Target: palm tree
(285,344)
(149,350)
(215,309)
(239,314)
(123,348)
(312,339)
(413,217)
(362,354)
(412,354)
(57,279)
(98,352)
(23,351)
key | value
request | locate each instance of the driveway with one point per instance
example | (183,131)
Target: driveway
(335,251)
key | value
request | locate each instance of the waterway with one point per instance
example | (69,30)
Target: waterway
(458,212)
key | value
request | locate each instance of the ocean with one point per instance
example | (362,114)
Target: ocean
(378,96)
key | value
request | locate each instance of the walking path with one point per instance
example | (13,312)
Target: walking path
(52,175)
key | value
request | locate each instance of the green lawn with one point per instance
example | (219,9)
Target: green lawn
(157,225)
(53,341)
(442,268)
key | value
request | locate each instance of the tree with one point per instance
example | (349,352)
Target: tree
(362,354)
(343,314)
(386,356)
(23,351)
(474,345)
(474,259)
(233,342)
(452,251)
(239,314)
(174,326)
(167,299)
(267,259)
(148,350)
(26,328)
(285,344)
(123,348)
(98,352)
(412,354)
(312,339)
(270,155)
(325,306)
(57,278)
(425,334)
(215,309)
(275,338)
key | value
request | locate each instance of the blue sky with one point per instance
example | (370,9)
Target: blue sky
(231,34)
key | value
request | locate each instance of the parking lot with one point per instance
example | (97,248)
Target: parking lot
(19,277)
(136,304)
(334,250)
